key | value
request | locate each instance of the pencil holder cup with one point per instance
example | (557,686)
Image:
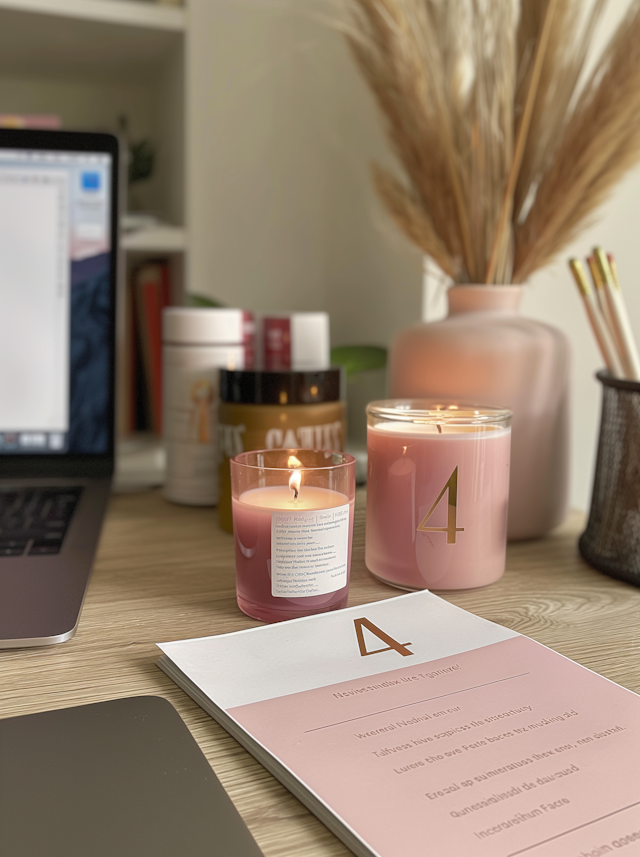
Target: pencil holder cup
(611,541)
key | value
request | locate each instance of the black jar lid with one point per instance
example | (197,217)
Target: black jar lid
(251,387)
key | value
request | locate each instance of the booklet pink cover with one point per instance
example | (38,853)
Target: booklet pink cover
(412,727)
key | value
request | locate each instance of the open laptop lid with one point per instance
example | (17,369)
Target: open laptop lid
(58,262)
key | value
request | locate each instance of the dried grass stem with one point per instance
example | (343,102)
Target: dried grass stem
(505,147)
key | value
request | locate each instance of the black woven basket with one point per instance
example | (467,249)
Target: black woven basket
(611,541)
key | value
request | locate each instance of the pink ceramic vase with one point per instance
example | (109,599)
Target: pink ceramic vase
(484,352)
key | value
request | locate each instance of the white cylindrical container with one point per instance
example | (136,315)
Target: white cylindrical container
(197,343)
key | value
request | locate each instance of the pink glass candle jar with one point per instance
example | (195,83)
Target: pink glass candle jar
(437,493)
(293,527)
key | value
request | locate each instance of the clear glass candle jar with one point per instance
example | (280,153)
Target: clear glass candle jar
(293,529)
(437,493)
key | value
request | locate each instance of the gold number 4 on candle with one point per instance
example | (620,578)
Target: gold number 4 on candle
(451,489)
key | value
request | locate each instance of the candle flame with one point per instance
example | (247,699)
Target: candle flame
(296,477)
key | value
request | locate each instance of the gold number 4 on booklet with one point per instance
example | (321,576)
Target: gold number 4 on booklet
(401,648)
(451,489)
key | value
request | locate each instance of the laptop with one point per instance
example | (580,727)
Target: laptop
(58,249)
(121,778)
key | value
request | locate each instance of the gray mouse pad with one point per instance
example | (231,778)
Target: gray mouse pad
(123,777)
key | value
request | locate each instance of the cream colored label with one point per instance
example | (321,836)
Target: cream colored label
(192,474)
(191,399)
(190,431)
(309,552)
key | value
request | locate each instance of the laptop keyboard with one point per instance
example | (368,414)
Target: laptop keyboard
(34,520)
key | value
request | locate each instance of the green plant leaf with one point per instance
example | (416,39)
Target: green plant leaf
(142,161)
(359,358)
(202,301)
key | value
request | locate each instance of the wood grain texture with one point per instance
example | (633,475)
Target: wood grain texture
(166,572)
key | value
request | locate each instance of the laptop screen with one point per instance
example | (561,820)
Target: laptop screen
(55,294)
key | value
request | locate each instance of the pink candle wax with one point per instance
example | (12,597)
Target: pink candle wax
(293,556)
(437,504)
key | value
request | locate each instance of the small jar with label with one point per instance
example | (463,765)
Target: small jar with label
(197,343)
(276,410)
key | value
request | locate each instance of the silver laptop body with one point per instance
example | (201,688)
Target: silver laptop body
(58,254)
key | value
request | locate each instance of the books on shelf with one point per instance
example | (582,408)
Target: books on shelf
(148,293)
(30,120)
(409,726)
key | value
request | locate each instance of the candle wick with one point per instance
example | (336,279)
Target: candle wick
(439,427)
(295,493)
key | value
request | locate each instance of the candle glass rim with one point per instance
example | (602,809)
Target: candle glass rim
(347,460)
(439,411)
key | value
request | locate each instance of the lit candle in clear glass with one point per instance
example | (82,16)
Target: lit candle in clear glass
(437,493)
(293,528)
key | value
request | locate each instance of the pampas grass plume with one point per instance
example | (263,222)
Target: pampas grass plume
(506,146)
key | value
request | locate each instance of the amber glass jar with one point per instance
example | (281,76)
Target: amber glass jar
(276,410)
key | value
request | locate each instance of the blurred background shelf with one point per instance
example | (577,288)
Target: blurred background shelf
(125,12)
(155,239)
(140,463)
(104,65)
(108,40)
(115,66)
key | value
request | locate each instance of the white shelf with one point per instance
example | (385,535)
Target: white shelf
(113,41)
(122,12)
(156,239)
(140,463)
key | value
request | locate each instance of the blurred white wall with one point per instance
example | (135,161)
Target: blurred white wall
(553,297)
(281,214)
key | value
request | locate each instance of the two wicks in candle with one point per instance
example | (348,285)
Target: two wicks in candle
(608,314)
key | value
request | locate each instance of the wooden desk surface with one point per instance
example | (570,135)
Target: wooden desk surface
(166,572)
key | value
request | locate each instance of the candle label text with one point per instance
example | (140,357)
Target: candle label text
(450,488)
(309,552)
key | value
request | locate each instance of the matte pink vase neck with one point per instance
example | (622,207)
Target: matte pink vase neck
(484,352)
(502,299)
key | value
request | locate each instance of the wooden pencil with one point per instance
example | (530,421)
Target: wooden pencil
(619,317)
(598,325)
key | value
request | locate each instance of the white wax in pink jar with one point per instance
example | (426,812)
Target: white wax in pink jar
(252,524)
(413,544)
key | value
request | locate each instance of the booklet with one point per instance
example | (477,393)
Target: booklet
(410,726)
